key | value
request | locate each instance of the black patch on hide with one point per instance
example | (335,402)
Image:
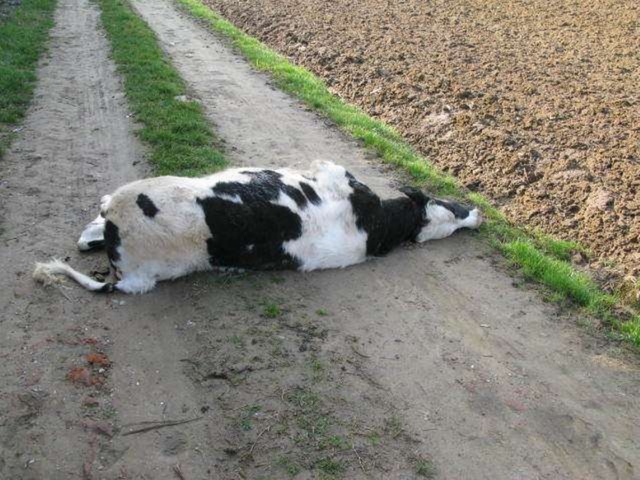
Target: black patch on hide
(416,195)
(147,206)
(387,223)
(107,288)
(265,185)
(459,211)
(310,193)
(256,221)
(366,207)
(93,244)
(111,241)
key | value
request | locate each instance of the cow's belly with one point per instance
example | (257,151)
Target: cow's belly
(337,247)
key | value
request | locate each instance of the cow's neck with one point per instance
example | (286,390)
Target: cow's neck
(396,221)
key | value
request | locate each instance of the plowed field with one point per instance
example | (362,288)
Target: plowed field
(534,103)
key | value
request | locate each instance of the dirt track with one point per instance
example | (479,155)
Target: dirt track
(534,103)
(430,352)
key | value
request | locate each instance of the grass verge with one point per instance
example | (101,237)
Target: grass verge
(540,257)
(23,36)
(179,136)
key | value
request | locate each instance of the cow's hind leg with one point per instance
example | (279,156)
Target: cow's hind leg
(92,236)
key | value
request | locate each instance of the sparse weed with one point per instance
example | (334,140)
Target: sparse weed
(304,399)
(318,371)
(336,441)
(289,466)
(393,426)
(245,422)
(330,467)
(314,424)
(425,468)
(272,310)
(374,439)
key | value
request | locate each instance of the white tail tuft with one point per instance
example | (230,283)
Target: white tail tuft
(49,273)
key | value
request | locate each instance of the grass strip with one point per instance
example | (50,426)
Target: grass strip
(540,257)
(23,38)
(180,139)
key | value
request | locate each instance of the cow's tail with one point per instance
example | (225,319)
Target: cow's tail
(49,273)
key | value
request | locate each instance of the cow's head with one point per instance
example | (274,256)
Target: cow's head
(440,218)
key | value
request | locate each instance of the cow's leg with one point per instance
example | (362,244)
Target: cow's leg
(445,217)
(92,236)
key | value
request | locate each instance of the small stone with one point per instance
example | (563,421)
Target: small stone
(600,200)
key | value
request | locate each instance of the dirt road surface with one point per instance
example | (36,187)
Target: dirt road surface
(431,354)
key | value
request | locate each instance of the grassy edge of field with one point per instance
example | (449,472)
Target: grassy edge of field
(540,257)
(175,128)
(23,39)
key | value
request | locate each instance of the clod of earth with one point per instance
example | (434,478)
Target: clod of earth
(98,359)
(82,375)
(90,402)
(98,427)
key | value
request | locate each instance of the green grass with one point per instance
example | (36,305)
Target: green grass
(393,426)
(338,442)
(425,468)
(541,257)
(291,467)
(237,341)
(245,421)
(23,36)
(318,370)
(179,136)
(272,310)
(330,467)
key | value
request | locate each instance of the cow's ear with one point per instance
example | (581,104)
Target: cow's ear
(416,195)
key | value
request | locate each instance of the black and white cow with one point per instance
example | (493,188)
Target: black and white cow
(254,218)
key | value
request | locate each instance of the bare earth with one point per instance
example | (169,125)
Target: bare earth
(534,103)
(432,353)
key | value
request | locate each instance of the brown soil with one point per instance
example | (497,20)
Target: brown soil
(431,354)
(534,103)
